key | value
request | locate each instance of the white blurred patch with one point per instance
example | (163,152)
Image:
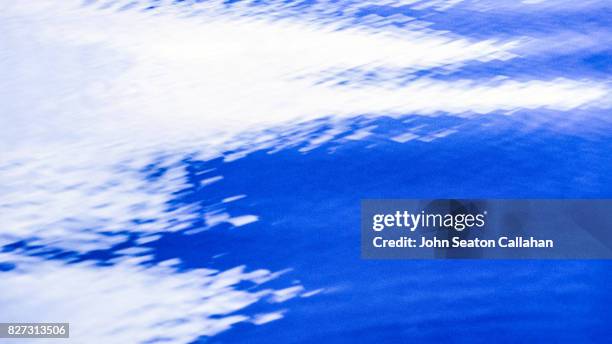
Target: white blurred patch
(287,293)
(261,319)
(127,303)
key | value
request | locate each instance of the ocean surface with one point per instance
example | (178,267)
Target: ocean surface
(191,171)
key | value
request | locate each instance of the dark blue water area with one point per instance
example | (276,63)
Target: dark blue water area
(499,19)
(595,65)
(588,24)
(308,208)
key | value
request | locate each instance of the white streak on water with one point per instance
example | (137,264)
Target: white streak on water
(126,302)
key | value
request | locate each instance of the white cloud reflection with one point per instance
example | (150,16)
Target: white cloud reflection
(127,302)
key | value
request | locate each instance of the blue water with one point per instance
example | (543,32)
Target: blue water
(309,207)
(307,202)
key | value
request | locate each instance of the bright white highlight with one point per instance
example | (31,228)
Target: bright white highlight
(128,303)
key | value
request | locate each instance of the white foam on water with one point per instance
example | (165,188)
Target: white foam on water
(130,303)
